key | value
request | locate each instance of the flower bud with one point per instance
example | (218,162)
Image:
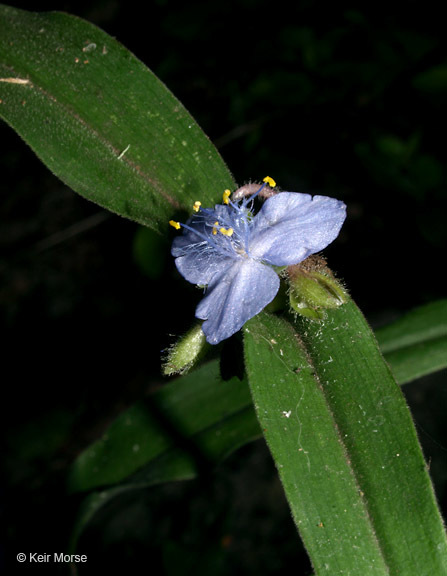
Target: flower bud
(183,355)
(313,288)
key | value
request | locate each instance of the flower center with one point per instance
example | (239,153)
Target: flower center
(226,229)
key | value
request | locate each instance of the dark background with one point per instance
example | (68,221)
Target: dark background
(326,98)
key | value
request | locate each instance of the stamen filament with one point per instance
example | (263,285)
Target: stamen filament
(178,225)
(253,196)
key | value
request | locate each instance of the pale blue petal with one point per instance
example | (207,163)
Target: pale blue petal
(234,296)
(291,226)
(200,266)
(199,254)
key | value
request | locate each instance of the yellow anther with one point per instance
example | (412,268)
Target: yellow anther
(226,196)
(269,181)
(214,228)
(226,232)
(175,224)
(196,206)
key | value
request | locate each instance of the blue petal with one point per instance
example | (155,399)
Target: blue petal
(234,296)
(199,254)
(291,226)
(200,266)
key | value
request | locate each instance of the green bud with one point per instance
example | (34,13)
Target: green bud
(313,288)
(183,355)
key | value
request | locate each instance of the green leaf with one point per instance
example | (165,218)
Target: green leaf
(345,446)
(309,452)
(416,344)
(182,458)
(101,120)
(192,421)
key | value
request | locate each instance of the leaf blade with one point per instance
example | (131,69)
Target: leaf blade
(416,344)
(298,424)
(380,442)
(112,466)
(196,416)
(101,121)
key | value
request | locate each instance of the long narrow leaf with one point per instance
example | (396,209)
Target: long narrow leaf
(101,120)
(196,419)
(416,344)
(337,425)
(321,486)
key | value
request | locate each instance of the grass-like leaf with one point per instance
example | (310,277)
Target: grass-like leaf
(300,428)
(195,420)
(101,120)
(416,344)
(345,446)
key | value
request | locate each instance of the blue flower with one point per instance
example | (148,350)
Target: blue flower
(236,254)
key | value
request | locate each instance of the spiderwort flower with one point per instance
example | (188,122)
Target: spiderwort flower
(236,254)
